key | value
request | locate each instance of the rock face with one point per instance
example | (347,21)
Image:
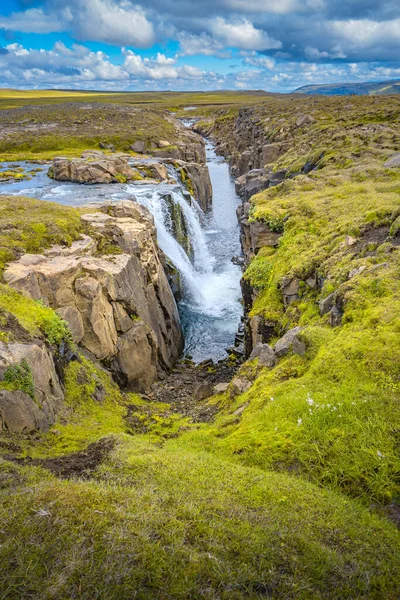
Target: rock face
(198,182)
(119,307)
(18,411)
(92,167)
(254,235)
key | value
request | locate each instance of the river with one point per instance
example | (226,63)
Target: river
(210,306)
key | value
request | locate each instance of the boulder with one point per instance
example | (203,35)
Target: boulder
(265,354)
(270,153)
(107,146)
(290,341)
(221,388)
(164,144)
(326,304)
(239,386)
(19,413)
(393,163)
(335,317)
(92,169)
(202,390)
(305,120)
(138,147)
(120,308)
(290,290)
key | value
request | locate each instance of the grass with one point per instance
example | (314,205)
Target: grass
(28,225)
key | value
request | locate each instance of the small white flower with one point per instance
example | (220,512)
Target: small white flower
(380,454)
(272,399)
(299,422)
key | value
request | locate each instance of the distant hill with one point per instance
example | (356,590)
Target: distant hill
(358,89)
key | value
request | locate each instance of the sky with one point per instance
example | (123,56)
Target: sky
(274,45)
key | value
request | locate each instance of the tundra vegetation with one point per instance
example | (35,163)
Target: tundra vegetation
(292,491)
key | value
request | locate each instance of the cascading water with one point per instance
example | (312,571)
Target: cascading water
(210,306)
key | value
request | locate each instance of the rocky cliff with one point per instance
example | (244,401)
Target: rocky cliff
(111,289)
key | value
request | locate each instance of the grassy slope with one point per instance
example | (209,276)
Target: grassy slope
(164,521)
(258,504)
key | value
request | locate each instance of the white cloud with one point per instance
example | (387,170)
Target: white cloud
(241,34)
(261,6)
(160,68)
(119,23)
(192,44)
(32,20)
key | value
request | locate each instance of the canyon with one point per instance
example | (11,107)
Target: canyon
(199,349)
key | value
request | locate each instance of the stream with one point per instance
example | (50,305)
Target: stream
(209,307)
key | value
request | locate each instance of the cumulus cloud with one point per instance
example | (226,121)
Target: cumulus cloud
(111,21)
(279,45)
(242,34)
(160,68)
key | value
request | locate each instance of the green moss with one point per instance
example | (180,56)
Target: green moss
(120,178)
(185,178)
(28,225)
(33,316)
(19,377)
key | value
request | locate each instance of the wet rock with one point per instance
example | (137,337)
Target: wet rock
(197,178)
(238,260)
(289,342)
(202,390)
(326,304)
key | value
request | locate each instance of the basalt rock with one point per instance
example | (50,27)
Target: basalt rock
(120,306)
(290,341)
(196,177)
(93,168)
(18,411)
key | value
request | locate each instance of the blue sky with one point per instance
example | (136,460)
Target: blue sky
(275,45)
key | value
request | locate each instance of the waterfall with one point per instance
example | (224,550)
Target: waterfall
(158,200)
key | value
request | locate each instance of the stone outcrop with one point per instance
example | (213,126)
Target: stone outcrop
(93,167)
(257,180)
(119,306)
(196,177)
(19,412)
(254,234)
(187,145)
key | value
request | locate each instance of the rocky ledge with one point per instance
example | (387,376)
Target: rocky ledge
(112,290)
